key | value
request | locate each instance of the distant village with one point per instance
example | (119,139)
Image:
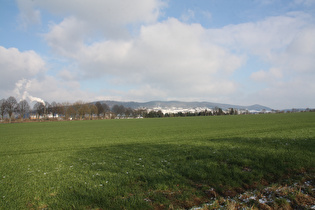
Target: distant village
(13,111)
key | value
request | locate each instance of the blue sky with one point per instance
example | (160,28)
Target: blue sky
(240,52)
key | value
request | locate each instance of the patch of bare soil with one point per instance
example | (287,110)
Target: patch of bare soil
(295,196)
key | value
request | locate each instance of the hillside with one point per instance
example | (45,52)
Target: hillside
(183,105)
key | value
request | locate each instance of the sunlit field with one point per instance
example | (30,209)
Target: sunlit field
(151,163)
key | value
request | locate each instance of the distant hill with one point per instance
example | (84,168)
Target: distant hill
(183,105)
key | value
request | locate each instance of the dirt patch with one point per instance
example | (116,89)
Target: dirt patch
(295,196)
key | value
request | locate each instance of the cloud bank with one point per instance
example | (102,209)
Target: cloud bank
(131,51)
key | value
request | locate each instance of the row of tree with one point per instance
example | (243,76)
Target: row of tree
(10,106)
(81,110)
(11,109)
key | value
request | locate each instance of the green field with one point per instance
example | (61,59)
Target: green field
(150,163)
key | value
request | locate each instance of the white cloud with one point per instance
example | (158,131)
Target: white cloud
(50,89)
(106,17)
(299,55)
(172,59)
(270,75)
(171,56)
(262,38)
(285,44)
(22,76)
(67,37)
(296,93)
(207,15)
(86,20)
(141,93)
(29,15)
(188,15)
(67,75)
(15,65)
(305,2)
(290,79)
(102,12)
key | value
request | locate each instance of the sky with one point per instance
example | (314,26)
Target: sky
(240,52)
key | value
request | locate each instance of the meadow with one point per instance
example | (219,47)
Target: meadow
(159,163)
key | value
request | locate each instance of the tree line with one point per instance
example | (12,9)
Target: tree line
(11,109)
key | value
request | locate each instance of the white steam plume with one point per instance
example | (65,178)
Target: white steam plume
(32,98)
(21,91)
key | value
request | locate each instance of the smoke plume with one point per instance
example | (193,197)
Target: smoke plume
(21,91)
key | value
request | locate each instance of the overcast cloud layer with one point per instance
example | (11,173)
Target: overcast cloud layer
(145,50)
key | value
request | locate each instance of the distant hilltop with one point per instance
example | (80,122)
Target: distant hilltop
(175,106)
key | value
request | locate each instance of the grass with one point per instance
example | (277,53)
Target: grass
(151,163)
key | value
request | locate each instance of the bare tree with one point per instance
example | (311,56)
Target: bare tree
(77,107)
(100,108)
(64,110)
(47,109)
(140,112)
(60,109)
(119,110)
(106,108)
(92,110)
(71,112)
(11,106)
(129,112)
(54,108)
(39,107)
(23,108)
(2,107)
(84,109)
